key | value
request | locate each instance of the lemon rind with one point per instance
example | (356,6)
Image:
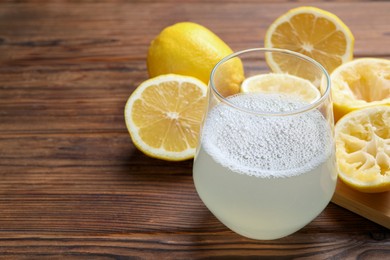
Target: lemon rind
(381,183)
(158,153)
(340,25)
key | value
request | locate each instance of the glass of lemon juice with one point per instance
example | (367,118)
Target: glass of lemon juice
(265,163)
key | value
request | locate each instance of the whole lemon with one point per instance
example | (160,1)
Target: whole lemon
(191,49)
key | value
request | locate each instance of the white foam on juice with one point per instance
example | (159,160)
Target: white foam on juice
(266,146)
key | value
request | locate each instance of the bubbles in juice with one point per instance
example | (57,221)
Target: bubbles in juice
(265,176)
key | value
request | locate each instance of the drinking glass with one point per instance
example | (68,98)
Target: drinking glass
(265,162)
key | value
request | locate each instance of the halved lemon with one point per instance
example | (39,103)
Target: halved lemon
(313,32)
(360,83)
(363,149)
(299,88)
(163,116)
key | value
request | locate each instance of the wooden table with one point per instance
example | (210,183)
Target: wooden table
(72,184)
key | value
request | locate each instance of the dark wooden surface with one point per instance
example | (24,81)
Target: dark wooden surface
(72,185)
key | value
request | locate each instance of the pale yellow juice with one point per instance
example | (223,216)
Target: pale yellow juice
(262,177)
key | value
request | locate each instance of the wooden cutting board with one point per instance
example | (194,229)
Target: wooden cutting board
(373,206)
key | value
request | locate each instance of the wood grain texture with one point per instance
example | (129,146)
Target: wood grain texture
(72,185)
(373,206)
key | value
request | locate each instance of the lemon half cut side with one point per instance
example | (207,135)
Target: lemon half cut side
(360,83)
(285,84)
(363,149)
(163,116)
(313,32)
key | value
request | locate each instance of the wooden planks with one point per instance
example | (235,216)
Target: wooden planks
(127,29)
(375,207)
(71,182)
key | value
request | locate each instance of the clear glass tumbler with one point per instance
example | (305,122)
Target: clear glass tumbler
(265,163)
